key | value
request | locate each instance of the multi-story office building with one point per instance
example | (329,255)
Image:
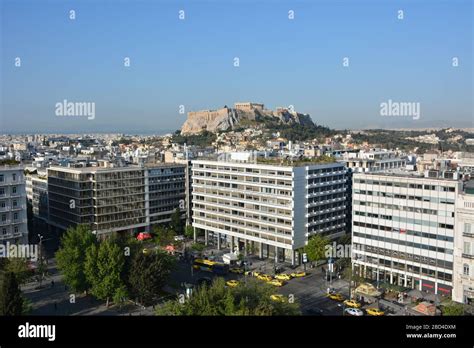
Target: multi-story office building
(463,283)
(268,208)
(403,230)
(118,199)
(165,186)
(13,219)
(37,195)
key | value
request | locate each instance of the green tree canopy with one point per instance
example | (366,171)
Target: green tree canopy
(11,300)
(249,298)
(104,268)
(189,231)
(19,266)
(177,224)
(148,274)
(452,309)
(71,256)
(163,236)
(316,247)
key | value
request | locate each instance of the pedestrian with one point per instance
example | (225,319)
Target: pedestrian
(52,283)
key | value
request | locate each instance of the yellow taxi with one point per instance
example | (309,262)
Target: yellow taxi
(277,298)
(236,270)
(283,276)
(264,277)
(276,282)
(352,303)
(375,312)
(256,274)
(298,274)
(232,283)
(336,297)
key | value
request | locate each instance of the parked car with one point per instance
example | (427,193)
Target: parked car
(283,276)
(352,303)
(276,282)
(232,283)
(335,297)
(374,312)
(265,277)
(354,311)
(298,274)
(277,298)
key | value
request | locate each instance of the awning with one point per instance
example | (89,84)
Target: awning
(143,236)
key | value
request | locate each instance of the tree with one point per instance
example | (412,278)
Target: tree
(249,298)
(164,236)
(11,300)
(71,256)
(103,269)
(452,309)
(19,266)
(148,274)
(189,231)
(177,224)
(317,247)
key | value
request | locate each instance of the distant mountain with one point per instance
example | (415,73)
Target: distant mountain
(241,115)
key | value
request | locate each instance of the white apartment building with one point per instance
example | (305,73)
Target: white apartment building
(463,282)
(268,208)
(13,219)
(374,161)
(403,230)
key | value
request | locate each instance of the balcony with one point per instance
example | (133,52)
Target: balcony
(18,207)
(467,234)
(468,256)
(5,222)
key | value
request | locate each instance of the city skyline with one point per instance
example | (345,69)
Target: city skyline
(190,62)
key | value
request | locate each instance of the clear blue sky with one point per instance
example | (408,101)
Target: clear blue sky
(282,62)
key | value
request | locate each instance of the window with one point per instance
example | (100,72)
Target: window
(467,248)
(465,269)
(15,216)
(4,230)
(1,177)
(15,229)
(14,177)
(2,191)
(4,217)
(14,189)
(467,227)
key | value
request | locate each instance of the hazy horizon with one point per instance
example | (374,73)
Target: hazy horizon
(190,62)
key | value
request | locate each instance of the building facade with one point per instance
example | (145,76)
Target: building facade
(122,199)
(13,214)
(464,249)
(37,195)
(403,230)
(268,209)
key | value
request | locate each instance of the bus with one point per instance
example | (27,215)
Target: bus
(210,266)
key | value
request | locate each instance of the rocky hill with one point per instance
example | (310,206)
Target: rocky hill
(242,114)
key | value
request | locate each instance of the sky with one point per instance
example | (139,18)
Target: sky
(190,62)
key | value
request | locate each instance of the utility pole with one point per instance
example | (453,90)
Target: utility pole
(40,266)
